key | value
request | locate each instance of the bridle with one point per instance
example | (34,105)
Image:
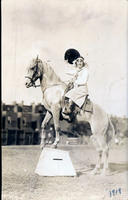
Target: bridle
(32,82)
(31,78)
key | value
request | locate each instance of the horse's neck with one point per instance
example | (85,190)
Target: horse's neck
(49,76)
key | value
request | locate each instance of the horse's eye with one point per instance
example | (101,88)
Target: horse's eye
(32,68)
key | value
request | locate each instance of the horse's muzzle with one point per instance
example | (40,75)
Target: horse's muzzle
(28,84)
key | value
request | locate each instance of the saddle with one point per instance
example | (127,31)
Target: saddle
(86,107)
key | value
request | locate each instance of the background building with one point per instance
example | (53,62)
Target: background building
(21,125)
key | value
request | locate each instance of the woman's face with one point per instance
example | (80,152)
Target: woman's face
(79,62)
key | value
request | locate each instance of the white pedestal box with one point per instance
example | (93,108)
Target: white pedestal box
(54,162)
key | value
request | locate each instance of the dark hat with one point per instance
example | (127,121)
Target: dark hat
(71,55)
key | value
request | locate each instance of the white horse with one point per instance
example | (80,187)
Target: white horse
(53,90)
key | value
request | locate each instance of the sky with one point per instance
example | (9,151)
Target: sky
(97,29)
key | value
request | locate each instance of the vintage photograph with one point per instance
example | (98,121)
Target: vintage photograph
(64,132)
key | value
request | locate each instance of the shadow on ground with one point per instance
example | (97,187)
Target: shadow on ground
(114,168)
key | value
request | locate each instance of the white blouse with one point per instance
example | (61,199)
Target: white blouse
(82,77)
(78,76)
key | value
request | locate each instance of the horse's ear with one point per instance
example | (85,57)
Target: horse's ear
(37,58)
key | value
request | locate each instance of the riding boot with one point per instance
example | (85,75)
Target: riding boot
(67,111)
(67,106)
(74,109)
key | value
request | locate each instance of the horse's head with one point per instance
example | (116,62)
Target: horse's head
(33,72)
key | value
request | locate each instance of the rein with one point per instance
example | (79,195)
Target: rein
(36,85)
(33,83)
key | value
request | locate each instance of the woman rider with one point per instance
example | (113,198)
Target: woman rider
(79,78)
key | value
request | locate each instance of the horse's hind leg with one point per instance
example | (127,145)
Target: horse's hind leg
(109,135)
(100,153)
(103,150)
(47,118)
(105,166)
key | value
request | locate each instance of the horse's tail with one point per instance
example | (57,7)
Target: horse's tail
(114,136)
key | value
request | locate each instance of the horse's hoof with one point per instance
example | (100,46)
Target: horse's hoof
(95,171)
(105,172)
(42,146)
(54,146)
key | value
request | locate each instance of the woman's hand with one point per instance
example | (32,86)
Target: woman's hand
(70,85)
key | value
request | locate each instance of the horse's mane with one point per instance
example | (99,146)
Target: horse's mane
(48,69)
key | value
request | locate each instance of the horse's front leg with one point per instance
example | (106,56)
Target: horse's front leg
(56,116)
(47,118)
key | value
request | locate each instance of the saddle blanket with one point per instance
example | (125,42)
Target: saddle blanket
(88,105)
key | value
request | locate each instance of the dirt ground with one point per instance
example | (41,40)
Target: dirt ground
(19,181)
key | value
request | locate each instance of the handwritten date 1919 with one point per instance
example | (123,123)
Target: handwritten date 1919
(115,192)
